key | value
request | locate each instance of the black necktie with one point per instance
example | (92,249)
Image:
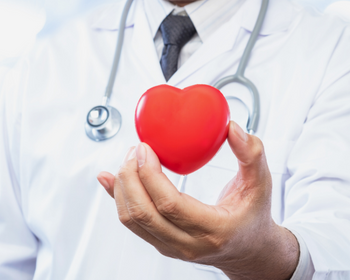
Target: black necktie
(176,32)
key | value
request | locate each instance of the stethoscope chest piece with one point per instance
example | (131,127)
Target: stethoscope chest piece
(102,123)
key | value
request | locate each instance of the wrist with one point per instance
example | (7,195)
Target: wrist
(284,255)
(274,256)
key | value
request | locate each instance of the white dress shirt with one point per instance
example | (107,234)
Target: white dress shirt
(207,17)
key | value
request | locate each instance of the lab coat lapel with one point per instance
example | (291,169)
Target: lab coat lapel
(144,48)
(279,17)
(221,42)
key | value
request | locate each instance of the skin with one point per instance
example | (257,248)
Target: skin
(182,3)
(237,235)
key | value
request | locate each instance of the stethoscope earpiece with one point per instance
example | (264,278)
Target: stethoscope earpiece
(102,123)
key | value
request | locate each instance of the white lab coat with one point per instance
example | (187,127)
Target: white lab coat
(52,208)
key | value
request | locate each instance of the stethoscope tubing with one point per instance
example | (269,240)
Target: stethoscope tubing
(253,121)
(238,77)
(118,52)
(254,114)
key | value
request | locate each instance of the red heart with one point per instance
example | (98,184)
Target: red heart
(185,128)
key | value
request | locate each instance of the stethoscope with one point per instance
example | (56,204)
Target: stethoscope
(104,121)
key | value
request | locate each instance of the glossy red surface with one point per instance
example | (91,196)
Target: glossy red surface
(185,128)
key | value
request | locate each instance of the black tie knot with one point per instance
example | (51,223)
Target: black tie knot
(177,30)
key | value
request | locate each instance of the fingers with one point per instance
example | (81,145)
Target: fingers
(129,221)
(176,224)
(154,180)
(106,179)
(129,214)
(184,224)
(182,210)
(136,207)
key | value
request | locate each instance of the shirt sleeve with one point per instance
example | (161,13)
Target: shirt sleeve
(305,269)
(317,194)
(18,246)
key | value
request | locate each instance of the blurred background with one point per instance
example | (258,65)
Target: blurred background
(24,21)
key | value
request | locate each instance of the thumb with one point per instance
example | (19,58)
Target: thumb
(150,172)
(250,153)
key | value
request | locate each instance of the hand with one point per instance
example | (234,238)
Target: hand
(238,235)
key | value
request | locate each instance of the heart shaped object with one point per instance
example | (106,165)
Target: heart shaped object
(185,128)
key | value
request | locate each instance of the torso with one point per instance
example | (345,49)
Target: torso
(65,207)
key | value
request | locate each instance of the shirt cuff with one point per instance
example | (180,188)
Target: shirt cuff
(305,269)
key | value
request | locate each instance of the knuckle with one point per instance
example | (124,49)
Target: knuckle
(140,216)
(258,148)
(126,220)
(168,207)
(145,176)
(123,173)
(189,255)
(166,253)
(206,248)
(216,244)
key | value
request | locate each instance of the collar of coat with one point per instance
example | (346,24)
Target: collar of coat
(280,16)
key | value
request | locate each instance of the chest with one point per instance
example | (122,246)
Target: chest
(59,108)
(60,163)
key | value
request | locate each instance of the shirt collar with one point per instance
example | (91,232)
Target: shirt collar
(156,11)
(206,15)
(280,15)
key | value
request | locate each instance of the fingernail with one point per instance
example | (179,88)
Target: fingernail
(130,155)
(103,182)
(141,154)
(240,133)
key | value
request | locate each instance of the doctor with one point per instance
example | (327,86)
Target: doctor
(285,212)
